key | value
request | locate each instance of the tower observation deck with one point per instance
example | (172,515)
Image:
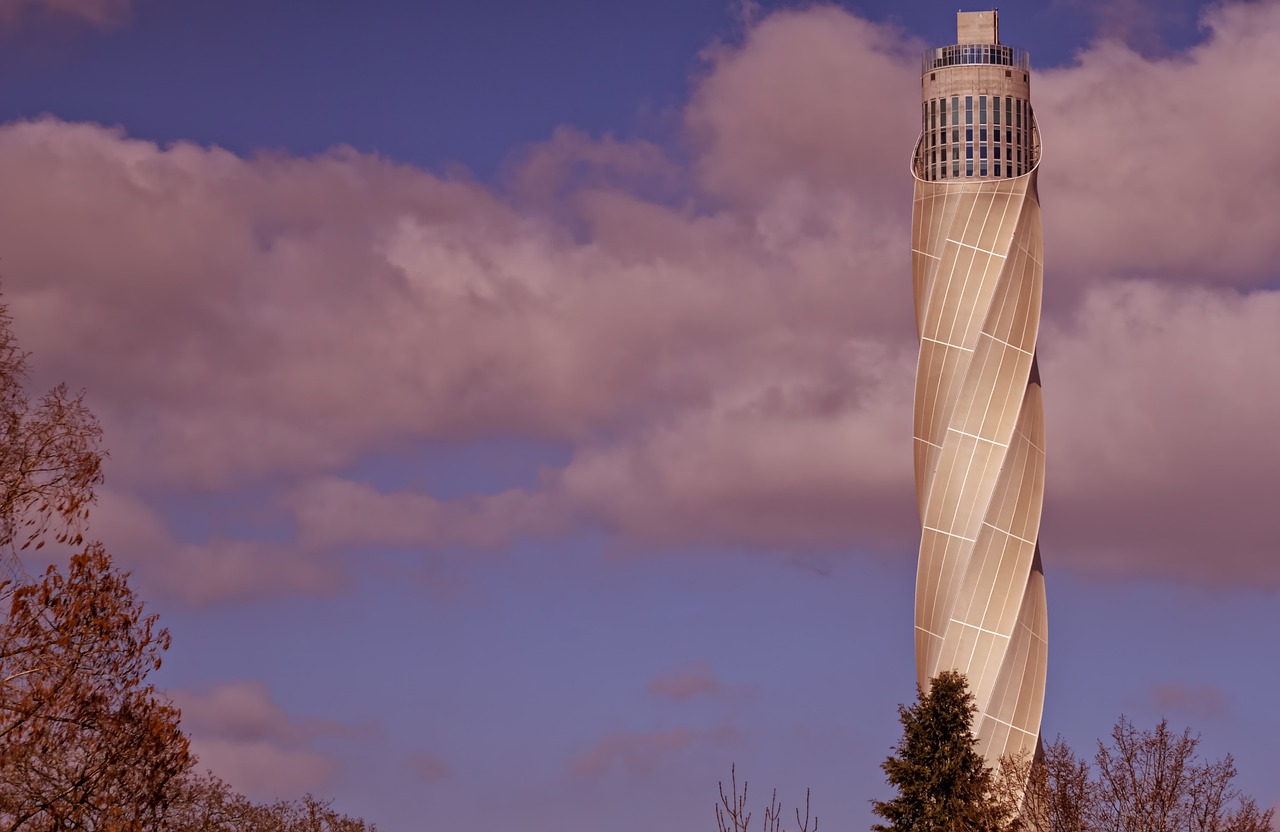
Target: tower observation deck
(976,117)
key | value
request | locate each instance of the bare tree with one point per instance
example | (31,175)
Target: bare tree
(732,814)
(1049,791)
(1155,781)
(1139,781)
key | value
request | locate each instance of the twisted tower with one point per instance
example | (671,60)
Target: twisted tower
(977,268)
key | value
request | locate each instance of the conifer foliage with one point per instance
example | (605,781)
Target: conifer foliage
(943,783)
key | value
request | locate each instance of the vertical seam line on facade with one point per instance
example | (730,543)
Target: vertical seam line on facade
(963,288)
(986,269)
(931,276)
(986,407)
(937,389)
(967,468)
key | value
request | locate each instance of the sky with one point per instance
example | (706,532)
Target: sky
(509,404)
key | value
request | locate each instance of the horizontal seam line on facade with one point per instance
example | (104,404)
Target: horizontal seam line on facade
(1034,259)
(980,629)
(984,250)
(1010,534)
(1036,635)
(948,534)
(1007,344)
(945,343)
(927,442)
(1030,442)
(927,254)
(927,630)
(979,438)
(1009,725)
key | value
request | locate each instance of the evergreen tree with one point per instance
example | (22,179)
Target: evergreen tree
(943,784)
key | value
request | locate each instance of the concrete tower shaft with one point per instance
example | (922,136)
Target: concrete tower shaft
(977,273)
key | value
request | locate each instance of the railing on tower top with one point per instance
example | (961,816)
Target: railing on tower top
(962,54)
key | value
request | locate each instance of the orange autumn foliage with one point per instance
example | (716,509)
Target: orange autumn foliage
(85,741)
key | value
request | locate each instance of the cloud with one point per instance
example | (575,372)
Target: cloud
(244,710)
(265,771)
(1159,418)
(723,345)
(427,768)
(809,458)
(242,317)
(98,13)
(572,161)
(687,683)
(1199,702)
(333,512)
(797,460)
(244,737)
(212,571)
(1136,177)
(1138,23)
(639,754)
(814,98)
(1156,403)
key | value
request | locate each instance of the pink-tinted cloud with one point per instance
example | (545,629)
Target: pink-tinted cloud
(101,13)
(1141,381)
(639,754)
(291,314)
(1159,418)
(812,99)
(208,572)
(698,680)
(573,162)
(335,513)
(1136,175)
(1135,22)
(726,348)
(428,769)
(1199,702)
(243,736)
(794,462)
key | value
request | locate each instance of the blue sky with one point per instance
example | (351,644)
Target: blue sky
(667,460)
(434,84)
